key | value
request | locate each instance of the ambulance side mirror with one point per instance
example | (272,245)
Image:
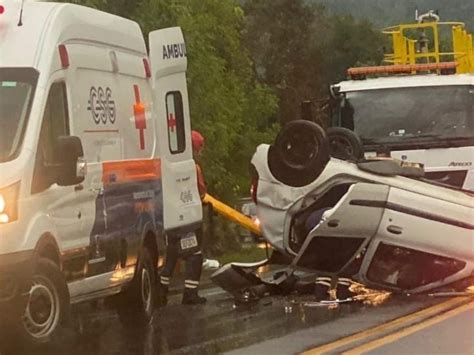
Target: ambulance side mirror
(73,167)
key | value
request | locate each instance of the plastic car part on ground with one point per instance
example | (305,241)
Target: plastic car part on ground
(210,264)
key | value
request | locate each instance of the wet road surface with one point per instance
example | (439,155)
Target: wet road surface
(216,327)
(449,333)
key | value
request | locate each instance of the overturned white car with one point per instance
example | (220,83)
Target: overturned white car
(376,221)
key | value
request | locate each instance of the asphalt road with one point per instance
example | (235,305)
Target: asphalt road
(275,325)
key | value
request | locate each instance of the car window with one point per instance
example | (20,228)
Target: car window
(55,124)
(175,120)
(408,268)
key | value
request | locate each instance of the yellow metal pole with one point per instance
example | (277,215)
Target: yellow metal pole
(233,215)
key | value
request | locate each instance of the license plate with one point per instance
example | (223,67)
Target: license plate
(189,242)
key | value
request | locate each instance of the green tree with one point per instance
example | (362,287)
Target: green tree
(352,43)
(279,34)
(299,49)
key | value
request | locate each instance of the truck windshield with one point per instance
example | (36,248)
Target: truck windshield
(17,87)
(411,115)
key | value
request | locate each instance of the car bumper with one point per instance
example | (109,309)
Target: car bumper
(16,271)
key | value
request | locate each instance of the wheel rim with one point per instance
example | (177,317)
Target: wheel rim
(342,147)
(299,148)
(43,310)
(146,290)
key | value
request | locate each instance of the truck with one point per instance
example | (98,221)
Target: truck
(420,105)
(96,163)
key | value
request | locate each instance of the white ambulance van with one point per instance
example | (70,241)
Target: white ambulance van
(95,162)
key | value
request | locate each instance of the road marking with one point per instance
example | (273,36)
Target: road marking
(380,329)
(407,331)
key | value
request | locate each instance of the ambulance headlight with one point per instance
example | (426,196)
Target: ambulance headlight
(9,203)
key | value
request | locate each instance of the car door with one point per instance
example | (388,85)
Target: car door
(422,242)
(181,202)
(348,228)
(65,204)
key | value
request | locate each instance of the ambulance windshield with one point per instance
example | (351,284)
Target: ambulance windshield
(408,116)
(17,87)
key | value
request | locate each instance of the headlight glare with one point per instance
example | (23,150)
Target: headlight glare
(2,204)
(9,203)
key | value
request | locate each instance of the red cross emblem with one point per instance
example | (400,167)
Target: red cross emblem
(140,118)
(171,122)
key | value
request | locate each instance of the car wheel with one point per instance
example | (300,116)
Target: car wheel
(345,144)
(300,153)
(47,308)
(137,304)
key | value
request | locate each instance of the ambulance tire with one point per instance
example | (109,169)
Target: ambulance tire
(345,144)
(300,153)
(137,304)
(47,311)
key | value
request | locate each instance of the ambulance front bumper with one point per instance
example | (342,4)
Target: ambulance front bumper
(16,271)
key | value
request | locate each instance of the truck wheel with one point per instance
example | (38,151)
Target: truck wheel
(137,304)
(300,153)
(345,144)
(47,308)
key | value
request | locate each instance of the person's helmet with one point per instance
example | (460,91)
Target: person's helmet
(197,140)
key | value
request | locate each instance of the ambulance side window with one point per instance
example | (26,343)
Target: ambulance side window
(55,124)
(175,120)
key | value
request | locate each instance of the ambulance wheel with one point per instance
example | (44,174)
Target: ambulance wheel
(345,144)
(300,153)
(47,308)
(137,304)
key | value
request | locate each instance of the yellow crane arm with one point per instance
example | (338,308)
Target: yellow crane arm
(233,215)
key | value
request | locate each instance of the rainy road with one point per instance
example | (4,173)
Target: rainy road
(277,325)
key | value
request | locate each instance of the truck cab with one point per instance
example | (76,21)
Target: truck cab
(420,106)
(95,158)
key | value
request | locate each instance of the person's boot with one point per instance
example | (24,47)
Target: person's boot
(190,296)
(163,295)
(321,288)
(344,291)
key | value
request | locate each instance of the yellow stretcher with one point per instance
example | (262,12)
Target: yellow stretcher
(233,215)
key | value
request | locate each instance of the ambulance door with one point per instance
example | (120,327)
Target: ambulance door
(182,210)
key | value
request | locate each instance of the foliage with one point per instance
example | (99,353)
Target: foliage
(299,49)
(385,13)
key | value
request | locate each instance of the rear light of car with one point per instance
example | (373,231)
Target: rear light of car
(254,184)
(253,190)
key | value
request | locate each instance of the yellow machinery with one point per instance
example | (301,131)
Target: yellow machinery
(417,47)
(233,215)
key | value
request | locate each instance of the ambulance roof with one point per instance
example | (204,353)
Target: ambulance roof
(45,25)
(406,81)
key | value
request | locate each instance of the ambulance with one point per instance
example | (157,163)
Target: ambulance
(96,163)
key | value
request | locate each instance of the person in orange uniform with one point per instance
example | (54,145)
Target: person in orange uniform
(193,261)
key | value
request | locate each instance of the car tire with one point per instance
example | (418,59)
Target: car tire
(300,153)
(47,308)
(345,144)
(137,304)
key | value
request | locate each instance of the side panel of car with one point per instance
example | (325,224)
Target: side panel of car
(442,247)
(104,97)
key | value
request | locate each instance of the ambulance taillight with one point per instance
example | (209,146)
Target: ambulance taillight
(64,56)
